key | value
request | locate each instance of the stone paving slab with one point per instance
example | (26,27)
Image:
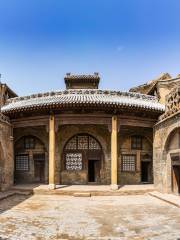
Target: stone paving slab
(49,217)
(169,198)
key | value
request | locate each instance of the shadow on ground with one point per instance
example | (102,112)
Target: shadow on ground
(11,202)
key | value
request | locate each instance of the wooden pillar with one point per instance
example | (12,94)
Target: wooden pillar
(52,152)
(138,164)
(114,157)
(138,160)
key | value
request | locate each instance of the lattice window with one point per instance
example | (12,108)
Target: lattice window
(29,143)
(136,142)
(82,142)
(72,144)
(128,163)
(93,144)
(73,161)
(22,162)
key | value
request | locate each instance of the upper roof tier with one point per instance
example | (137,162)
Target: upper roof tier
(90,81)
(159,87)
(78,98)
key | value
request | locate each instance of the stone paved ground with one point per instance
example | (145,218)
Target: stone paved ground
(62,217)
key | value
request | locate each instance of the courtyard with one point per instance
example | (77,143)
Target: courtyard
(101,217)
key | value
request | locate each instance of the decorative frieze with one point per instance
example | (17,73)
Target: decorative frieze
(172,103)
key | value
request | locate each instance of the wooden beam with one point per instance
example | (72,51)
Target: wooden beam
(85,119)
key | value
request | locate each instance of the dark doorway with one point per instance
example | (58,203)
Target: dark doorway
(176,179)
(93,170)
(39,167)
(145,171)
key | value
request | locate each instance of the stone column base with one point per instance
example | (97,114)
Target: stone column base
(114,187)
(52,186)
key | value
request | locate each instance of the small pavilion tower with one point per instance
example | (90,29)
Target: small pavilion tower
(90,81)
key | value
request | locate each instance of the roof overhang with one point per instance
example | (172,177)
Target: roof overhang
(86,98)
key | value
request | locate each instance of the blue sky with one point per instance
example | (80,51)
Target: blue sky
(127,41)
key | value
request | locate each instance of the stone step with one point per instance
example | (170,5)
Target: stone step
(92,193)
(82,194)
(86,190)
(6,194)
(21,192)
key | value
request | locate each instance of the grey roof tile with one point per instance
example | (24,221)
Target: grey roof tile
(84,96)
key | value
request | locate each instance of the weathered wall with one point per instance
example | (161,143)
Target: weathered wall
(6,156)
(125,148)
(99,132)
(162,148)
(41,146)
(102,134)
(163,91)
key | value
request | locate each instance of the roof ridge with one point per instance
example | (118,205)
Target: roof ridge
(83,91)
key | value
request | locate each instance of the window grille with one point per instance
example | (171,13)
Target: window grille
(29,143)
(71,144)
(83,142)
(22,162)
(136,142)
(128,163)
(93,144)
(73,161)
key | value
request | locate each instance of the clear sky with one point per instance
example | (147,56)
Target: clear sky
(127,41)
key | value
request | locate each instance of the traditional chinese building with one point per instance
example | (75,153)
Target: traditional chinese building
(84,135)
(167,146)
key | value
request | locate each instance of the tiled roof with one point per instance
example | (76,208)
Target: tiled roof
(83,97)
(149,86)
(94,76)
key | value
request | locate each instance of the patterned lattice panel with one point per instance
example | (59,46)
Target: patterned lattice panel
(73,161)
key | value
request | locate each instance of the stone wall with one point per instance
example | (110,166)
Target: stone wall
(124,137)
(6,154)
(63,134)
(165,141)
(41,147)
(103,136)
(162,160)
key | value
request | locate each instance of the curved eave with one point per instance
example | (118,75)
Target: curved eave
(58,104)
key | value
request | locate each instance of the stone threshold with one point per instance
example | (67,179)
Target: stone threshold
(6,194)
(168,198)
(86,190)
